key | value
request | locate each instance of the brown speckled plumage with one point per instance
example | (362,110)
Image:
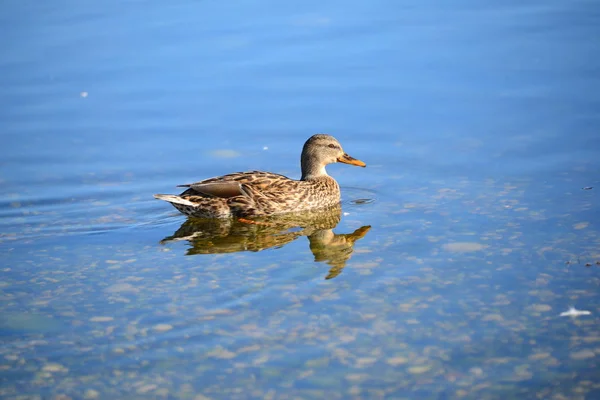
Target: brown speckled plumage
(256,193)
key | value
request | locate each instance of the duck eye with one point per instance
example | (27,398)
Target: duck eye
(332,146)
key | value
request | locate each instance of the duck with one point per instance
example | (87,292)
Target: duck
(252,194)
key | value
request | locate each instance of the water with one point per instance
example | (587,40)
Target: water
(457,248)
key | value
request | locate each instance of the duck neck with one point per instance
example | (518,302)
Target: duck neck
(312,170)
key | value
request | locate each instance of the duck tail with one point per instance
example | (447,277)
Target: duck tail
(174,199)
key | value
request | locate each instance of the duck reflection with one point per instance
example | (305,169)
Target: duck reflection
(210,236)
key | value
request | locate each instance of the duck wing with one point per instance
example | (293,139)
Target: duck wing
(238,184)
(217,189)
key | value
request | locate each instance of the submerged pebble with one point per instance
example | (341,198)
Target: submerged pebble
(582,354)
(162,327)
(101,319)
(54,367)
(91,394)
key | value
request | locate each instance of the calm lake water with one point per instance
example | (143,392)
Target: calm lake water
(442,276)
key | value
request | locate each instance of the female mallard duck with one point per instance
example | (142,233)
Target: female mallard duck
(257,193)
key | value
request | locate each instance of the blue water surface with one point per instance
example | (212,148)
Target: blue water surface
(473,227)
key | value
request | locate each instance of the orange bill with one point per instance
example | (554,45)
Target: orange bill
(346,159)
